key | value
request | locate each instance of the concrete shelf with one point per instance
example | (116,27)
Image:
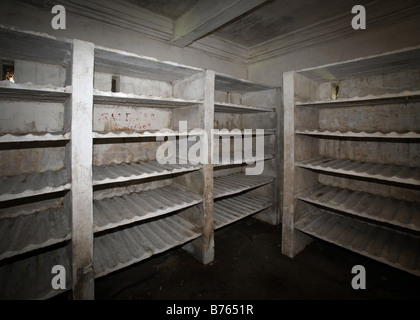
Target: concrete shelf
(224,82)
(238,108)
(18,235)
(129,64)
(142,134)
(362,134)
(36,271)
(385,63)
(231,160)
(118,211)
(379,171)
(229,210)
(400,97)
(400,250)
(404,214)
(134,171)
(32,92)
(35,46)
(32,184)
(121,98)
(238,182)
(119,249)
(34,137)
(231,133)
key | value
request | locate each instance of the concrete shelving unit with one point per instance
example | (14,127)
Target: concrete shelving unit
(351,157)
(141,206)
(81,184)
(247,106)
(36,176)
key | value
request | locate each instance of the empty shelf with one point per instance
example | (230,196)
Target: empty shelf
(401,97)
(362,134)
(34,46)
(385,209)
(29,91)
(30,278)
(235,183)
(385,245)
(122,248)
(386,172)
(238,108)
(140,134)
(18,234)
(383,63)
(133,171)
(118,211)
(242,160)
(128,64)
(32,137)
(121,98)
(225,82)
(31,184)
(229,210)
(231,133)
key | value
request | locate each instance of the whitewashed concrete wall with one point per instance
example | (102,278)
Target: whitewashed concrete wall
(29,17)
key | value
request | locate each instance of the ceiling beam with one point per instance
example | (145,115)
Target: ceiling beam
(206,16)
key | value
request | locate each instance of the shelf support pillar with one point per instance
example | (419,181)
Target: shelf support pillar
(81,170)
(203,247)
(293,241)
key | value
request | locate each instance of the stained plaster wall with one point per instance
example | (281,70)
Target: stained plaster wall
(34,18)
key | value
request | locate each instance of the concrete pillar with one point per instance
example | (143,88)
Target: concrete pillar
(288,165)
(203,247)
(293,241)
(81,170)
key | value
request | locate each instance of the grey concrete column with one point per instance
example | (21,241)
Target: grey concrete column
(81,170)
(293,241)
(203,247)
(288,165)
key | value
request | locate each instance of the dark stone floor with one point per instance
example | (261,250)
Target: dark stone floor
(249,265)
